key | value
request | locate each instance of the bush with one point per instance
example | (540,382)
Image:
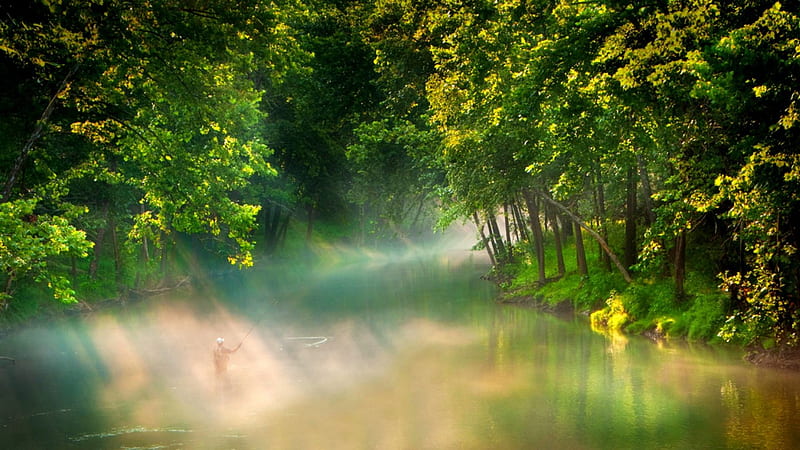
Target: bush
(598,286)
(566,289)
(613,317)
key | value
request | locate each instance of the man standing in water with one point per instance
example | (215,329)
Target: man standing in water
(222,355)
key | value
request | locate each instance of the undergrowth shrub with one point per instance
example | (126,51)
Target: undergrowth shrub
(565,289)
(649,299)
(598,287)
(704,319)
(613,317)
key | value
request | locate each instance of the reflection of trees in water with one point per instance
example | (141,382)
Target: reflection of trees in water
(617,391)
(432,370)
(760,418)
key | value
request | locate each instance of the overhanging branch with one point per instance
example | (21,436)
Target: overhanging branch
(622,270)
(13,174)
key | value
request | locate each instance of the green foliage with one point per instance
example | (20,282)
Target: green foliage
(613,317)
(704,319)
(567,289)
(585,293)
(395,177)
(158,120)
(646,307)
(763,195)
(582,92)
(151,115)
(28,245)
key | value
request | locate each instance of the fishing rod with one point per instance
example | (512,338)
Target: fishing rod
(318,340)
(248,333)
(261,317)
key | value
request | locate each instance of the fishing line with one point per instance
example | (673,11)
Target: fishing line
(248,334)
(319,340)
(263,314)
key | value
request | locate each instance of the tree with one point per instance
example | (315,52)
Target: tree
(395,179)
(314,112)
(153,97)
(717,77)
(28,245)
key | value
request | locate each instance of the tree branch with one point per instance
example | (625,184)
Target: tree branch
(622,270)
(201,13)
(13,174)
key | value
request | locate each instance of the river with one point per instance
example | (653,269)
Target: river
(407,353)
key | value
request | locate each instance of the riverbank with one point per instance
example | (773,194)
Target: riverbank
(425,330)
(646,307)
(48,311)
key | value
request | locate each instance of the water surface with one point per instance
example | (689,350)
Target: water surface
(407,354)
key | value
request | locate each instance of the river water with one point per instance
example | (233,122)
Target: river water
(408,353)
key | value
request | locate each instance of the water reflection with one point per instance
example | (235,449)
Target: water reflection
(416,355)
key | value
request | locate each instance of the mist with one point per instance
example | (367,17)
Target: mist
(389,350)
(309,332)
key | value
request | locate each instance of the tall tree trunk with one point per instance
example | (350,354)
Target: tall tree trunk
(580,252)
(601,216)
(145,256)
(536,230)
(499,248)
(484,239)
(266,224)
(557,238)
(420,208)
(164,259)
(271,225)
(98,243)
(680,264)
(630,251)
(647,191)
(7,289)
(310,223)
(272,220)
(97,252)
(515,220)
(284,228)
(112,226)
(565,219)
(521,226)
(362,224)
(622,270)
(509,247)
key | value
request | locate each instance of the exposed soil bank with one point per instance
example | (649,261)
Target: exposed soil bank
(530,301)
(780,357)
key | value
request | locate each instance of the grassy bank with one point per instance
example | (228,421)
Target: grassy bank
(649,305)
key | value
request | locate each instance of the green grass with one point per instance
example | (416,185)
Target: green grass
(649,304)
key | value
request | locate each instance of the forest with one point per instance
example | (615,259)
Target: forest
(639,159)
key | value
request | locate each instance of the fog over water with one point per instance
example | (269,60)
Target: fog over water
(383,353)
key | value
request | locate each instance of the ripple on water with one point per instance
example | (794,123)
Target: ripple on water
(123,431)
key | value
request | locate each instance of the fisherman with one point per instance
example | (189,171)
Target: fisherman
(222,355)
